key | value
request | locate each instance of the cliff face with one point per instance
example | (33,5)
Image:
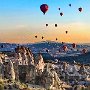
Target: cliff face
(29,69)
(35,71)
(28,66)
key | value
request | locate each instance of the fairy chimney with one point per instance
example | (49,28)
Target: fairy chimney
(24,55)
(39,62)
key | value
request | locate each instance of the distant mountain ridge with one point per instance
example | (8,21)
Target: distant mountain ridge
(43,44)
(53,48)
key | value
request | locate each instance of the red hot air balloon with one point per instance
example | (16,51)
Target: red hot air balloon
(80,9)
(65,48)
(61,14)
(59,50)
(74,45)
(46,25)
(44,8)
(84,51)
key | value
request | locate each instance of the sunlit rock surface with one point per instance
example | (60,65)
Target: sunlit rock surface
(31,69)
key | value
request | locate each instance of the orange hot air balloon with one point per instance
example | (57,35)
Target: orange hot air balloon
(84,51)
(74,45)
(55,25)
(80,9)
(65,48)
(44,8)
(66,32)
(35,36)
(46,25)
(61,14)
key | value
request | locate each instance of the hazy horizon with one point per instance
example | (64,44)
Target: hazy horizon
(21,20)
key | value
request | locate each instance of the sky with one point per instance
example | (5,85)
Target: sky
(21,20)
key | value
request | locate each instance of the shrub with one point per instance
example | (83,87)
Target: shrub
(1,87)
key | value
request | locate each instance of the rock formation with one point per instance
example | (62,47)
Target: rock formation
(37,72)
(11,73)
(50,79)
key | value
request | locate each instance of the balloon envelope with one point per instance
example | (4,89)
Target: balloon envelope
(80,9)
(64,47)
(1,46)
(55,25)
(42,37)
(66,32)
(44,8)
(35,36)
(70,5)
(74,45)
(56,39)
(47,50)
(58,8)
(84,51)
(46,25)
(61,14)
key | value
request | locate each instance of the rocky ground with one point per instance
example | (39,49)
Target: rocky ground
(8,85)
(24,71)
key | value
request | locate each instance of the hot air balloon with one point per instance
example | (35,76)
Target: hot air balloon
(61,14)
(44,8)
(59,50)
(62,42)
(58,8)
(56,39)
(66,32)
(42,37)
(74,45)
(46,25)
(35,36)
(65,48)
(80,9)
(77,49)
(1,46)
(55,25)
(84,51)
(47,50)
(70,5)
